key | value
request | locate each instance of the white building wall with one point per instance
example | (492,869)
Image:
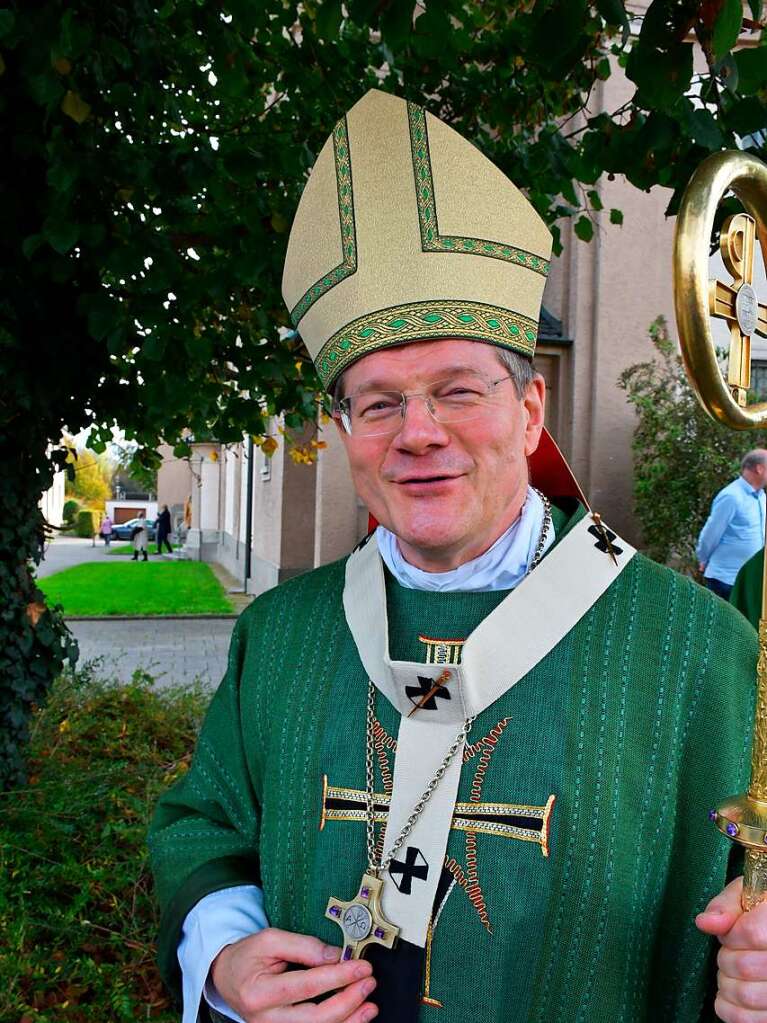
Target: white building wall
(52,501)
(209,496)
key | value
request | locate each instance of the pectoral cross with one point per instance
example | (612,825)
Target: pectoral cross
(362,920)
(738,302)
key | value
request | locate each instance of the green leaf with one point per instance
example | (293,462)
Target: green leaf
(153,348)
(594,199)
(61,234)
(74,106)
(328,19)
(752,69)
(584,228)
(756,9)
(102,314)
(661,77)
(397,23)
(31,244)
(705,131)
(7,21)
(727,27)
(616,216)
(748,115)
(613,11)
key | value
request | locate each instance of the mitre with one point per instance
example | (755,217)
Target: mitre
(406,232)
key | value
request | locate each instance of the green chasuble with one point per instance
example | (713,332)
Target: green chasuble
(580,848)
(746,592)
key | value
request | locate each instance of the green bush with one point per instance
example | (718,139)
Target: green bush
(71,508)
(87,522)
(682,457)
(77,914)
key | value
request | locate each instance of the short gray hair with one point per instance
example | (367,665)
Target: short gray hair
(519,367)
(753,459)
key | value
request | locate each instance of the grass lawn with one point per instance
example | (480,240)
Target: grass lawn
(127,548)
(141,587)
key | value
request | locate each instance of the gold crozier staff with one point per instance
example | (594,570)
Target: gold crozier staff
(742,818)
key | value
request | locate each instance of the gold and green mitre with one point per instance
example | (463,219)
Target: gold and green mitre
(406,232)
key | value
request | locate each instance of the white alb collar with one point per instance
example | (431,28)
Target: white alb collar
(502,567)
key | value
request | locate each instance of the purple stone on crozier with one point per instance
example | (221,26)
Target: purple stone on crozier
(732,829)
(335,911)
(379,931)
(364,893)
(712,815)
(347,953)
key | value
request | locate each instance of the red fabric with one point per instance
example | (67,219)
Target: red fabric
(549,472)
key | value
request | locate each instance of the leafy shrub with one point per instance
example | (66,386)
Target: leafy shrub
(682,457)
(77,916)
(70,510)
(87,522)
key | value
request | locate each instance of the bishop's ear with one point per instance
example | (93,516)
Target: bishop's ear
(534,403)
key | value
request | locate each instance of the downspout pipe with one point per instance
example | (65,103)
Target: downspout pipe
(249,515)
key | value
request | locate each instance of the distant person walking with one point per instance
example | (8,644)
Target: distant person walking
(163,530)
(105,530)
(734,530)
(140,537)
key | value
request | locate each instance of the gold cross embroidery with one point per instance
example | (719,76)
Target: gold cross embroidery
(738,302)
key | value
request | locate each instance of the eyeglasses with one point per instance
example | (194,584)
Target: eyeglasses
(454,400)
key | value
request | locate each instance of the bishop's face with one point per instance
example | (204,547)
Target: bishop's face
(447,490)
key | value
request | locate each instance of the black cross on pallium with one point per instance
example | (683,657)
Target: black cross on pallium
(416,693)
(601,545)
(414,866)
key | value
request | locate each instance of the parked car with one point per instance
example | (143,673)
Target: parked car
(124,531)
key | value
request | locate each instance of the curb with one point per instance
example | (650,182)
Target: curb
(151,618)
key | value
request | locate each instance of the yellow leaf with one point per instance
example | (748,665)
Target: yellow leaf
(64,726)
(214,456)
(74,106)
(269,446)
(62,65)
(279,223)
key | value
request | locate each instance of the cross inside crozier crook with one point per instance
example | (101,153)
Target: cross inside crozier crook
(738,302)
(362,920)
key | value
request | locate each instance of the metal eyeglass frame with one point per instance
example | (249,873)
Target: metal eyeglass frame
(342,411)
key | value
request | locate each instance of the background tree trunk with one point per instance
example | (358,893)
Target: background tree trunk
(34,641)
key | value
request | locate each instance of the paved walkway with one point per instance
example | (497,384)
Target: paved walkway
(66,551)
(175,651)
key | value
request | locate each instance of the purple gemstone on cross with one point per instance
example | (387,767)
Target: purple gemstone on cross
(712,815)
(379,931)
(347,953)
(364,893)
(335,911)
(732,829)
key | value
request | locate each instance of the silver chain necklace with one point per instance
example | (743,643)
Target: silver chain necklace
(362,919)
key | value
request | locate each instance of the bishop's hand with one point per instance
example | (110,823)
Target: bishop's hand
(252,977)
(742,976)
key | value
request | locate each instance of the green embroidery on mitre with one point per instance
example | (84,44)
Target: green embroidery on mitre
(431,239)
(420,321)
(348,265)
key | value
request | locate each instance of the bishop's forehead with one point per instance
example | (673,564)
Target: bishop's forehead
(406,232)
